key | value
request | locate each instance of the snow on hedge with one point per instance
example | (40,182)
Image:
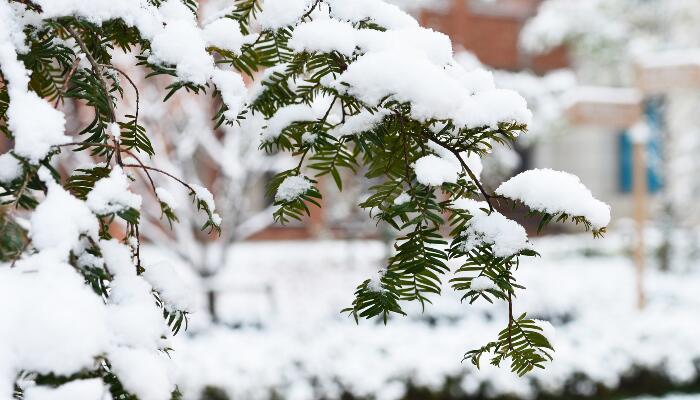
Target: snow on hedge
(556,192)
(602,338)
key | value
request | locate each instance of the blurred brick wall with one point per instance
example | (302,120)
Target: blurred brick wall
(490,29)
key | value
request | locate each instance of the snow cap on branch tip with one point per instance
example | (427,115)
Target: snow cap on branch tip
(556,192)
(292,187)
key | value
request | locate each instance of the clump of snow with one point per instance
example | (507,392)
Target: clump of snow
(358,123)
(482,283)
(87,389)
(10,168)
(143,372)
(377,75)
(205,195)
(293,113)
(387,15)
(166,197)
(173,289)
(34,136)
(403,198)
(292,187)
(555,192)
(114,130)
(432,170)
(233,91)
(324,35)
(308,138)
(111,194)
(54,301)
(180,43)
(280,13)
(59,220)
(225,34)
(506,236)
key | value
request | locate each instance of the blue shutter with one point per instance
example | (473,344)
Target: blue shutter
(653,112)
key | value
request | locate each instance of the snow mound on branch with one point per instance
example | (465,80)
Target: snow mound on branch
(387,15)
(143,372)
(111,194)
(482,283)
(292,187)
(87,389)
(205,195)
(10,168)
(506,236)
(336,36)
(555,192)
(166,197)
(358,123)
(60,326)
(432,170)
(225,34)
(290,114)
(59,220)
(280,13)
(34,136)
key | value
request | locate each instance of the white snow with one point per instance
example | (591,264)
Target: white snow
(111,194)
(292,187)
(482,283)
(205,195)
(10,168)
(293,113)
(403,198)
(361,122)
(54,299)
(603,337)
(87,389)
(34,136)
(143,372)
(173,289)
(225,34)
(556,192)
(506,236)
(387,15)
(432,170)
(233,91)
(59,220)
(166,197)
(280,13)
(324,35)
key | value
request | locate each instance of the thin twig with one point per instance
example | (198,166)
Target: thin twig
(145,167)
(510,322)
(136,89)
(61,92)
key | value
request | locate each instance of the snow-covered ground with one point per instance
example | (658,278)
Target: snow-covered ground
(281,303)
